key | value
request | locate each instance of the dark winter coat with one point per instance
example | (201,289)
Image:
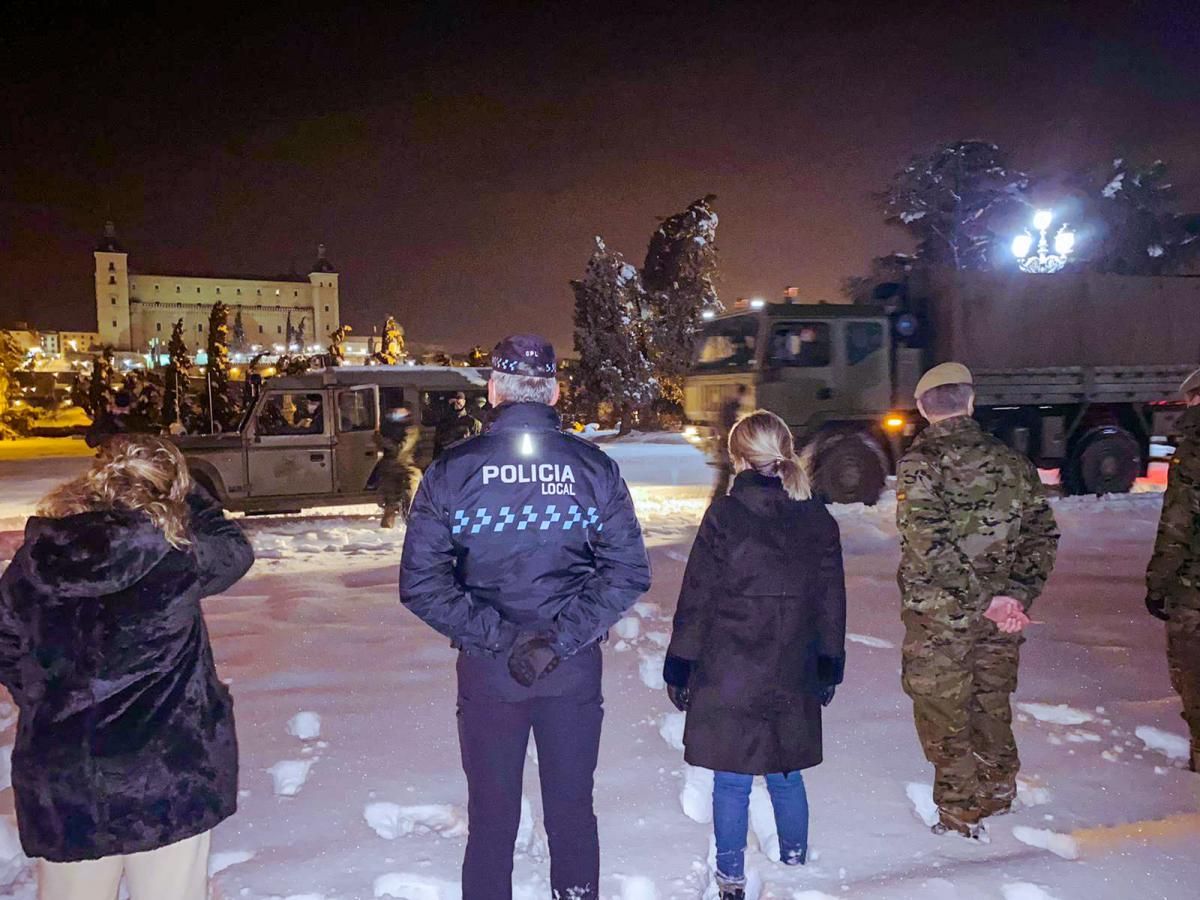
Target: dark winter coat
(458,426)
(759,630)
(523,529)
(125,740)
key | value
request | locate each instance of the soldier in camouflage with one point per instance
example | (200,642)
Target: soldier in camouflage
(1173,577)
(978,541)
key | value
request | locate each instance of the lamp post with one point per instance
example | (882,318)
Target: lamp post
(1043,262)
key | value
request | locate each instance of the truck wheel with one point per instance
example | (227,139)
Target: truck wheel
(850,468)
(1107,460)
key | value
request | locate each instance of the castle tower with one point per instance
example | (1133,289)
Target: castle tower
(327,316)
(112,292)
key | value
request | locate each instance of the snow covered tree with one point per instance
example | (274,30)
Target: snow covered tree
(301,337)
(289,331)
(613,335)
(223,414)
(176,377)
(679,277)
(99,388)
(1134,226)
(478,357)
(337,345)
(239,334)
(391,346)
(892,269)
(11,359)
(948,200)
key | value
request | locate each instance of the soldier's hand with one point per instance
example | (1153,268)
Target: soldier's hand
(1156,605)
(1007,614)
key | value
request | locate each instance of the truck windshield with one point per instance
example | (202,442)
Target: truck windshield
(726,344)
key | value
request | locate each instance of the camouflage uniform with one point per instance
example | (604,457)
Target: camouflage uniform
(398,476)
(1173,577)
(974,524)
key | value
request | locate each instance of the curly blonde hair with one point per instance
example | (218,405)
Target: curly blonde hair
(133,472)
(762,441)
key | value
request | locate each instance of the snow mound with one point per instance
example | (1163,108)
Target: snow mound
(305,725)
(650,667)
(6,767)
(1030,792)
(921,797)
(867,641)
(1173,746)
(812,895)
(289,776)
(628,628)
(637,887)
(1023,890)
(219,862)
(670,726)
(531,836)
(1059,844)
(659,639)
(391,820)
(696,796)
(407,886)
(1056,715)
(647,610)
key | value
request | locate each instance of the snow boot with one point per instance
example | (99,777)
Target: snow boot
(950,823)
(732,891)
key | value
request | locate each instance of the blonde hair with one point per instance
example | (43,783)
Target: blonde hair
(139,473)
(762,441)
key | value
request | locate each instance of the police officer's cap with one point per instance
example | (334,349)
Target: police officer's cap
(1191,384)
(939,376)
(525,354)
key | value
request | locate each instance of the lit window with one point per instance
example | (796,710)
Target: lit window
(276,292)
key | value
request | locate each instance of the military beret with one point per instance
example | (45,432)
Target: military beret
(525,354)
(946,373)
(1191,384)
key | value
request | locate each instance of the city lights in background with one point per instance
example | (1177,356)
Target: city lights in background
(1043,262)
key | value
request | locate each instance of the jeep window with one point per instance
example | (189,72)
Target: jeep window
(292,412)
(726,344)
(862,340)
(356,410)
(805,345)
(436,408)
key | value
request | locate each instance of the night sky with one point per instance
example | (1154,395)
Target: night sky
(457,159)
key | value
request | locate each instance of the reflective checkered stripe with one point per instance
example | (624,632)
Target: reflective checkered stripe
(555,516)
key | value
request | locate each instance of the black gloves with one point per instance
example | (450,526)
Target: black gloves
(680,696)
(532,658)
(825,694)
(1156,605)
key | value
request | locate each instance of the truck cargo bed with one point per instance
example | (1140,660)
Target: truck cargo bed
(1078,384)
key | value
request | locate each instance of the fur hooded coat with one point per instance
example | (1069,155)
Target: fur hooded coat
(125,738)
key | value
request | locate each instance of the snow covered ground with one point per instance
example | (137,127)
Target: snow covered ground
(352,787)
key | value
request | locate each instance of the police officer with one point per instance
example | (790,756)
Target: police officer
(978,541)
(398,476)
(457,426)
(1173,576)
(523,548)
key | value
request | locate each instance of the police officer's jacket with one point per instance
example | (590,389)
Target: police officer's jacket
(523,529)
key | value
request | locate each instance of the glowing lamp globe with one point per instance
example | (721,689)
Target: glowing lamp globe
(1021,245)
(1064,242)
(1042,219)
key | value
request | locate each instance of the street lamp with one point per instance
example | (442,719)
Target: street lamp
(1043,262)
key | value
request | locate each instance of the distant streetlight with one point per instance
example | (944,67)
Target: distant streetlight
(757,303)
(708,314)
(1043,262)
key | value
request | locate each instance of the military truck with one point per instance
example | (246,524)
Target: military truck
(1077,371)
(310,440)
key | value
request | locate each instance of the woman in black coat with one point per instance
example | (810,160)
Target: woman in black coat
(125,740)
(758,641)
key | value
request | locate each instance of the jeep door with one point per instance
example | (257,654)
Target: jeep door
(290,446)
(355,449)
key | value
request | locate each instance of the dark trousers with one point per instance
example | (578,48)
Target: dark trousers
(564,711)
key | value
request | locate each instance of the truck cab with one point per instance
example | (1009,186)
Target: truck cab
(311,440)
(825,369)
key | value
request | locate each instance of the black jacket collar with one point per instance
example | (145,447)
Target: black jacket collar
(525,417)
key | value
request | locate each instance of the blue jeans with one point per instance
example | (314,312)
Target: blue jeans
(731,818)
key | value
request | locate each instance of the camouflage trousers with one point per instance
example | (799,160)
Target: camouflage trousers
(398,481)
(1183,656)
(960,684)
